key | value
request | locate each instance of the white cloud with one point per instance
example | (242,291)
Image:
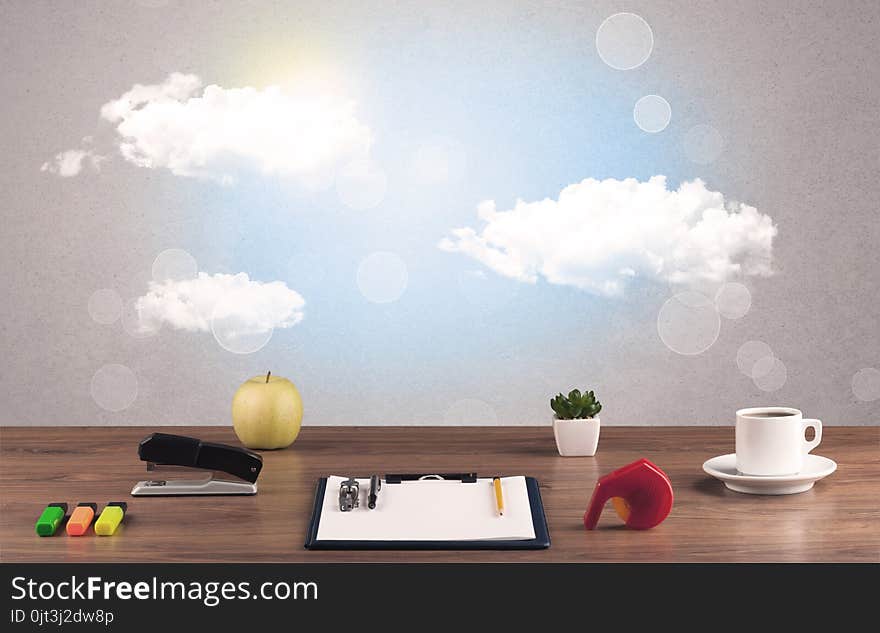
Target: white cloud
(70,162)
(599,235)
(215,132)
(192,304)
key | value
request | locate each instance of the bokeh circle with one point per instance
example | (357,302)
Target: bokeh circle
(688,323)
(114,387)
(750,354)
(232,329)
(105,306)
(733,300)
(652,113)
(624,41)
(769,374)
(174,264)
(382,277)
(439,161)
(866,384)
(134,325)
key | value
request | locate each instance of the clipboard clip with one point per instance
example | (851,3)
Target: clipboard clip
(349,495)
(465,478)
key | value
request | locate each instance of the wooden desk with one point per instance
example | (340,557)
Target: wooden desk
(839,520)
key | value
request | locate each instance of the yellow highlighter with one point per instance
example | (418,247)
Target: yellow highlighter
(499,497)
(110,518)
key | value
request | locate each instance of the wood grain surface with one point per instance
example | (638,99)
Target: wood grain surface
(838,520)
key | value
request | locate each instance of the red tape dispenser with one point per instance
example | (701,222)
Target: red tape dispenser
(641,494)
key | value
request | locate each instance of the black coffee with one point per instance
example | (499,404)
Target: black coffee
(770,414)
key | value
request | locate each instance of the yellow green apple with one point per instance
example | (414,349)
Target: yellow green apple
(267,412)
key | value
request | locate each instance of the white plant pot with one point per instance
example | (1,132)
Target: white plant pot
(576,438)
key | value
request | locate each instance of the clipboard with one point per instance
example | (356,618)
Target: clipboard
(541,538)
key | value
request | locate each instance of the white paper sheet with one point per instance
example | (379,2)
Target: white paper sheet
(429,510)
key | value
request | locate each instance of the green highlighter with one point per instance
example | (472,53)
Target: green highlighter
(51,518)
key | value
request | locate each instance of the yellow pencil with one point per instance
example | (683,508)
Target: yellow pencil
(499,498)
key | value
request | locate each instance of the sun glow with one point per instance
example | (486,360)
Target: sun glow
(297,70)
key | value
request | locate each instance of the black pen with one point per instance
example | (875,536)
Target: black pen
(375,487)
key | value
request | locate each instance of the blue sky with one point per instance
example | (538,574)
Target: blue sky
(531,119)
(531,110)
(520,87)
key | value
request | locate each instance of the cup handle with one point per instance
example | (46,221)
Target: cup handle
(817,427)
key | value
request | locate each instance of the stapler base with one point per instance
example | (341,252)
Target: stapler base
(183,487)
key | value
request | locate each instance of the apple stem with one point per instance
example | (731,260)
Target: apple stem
(267,376)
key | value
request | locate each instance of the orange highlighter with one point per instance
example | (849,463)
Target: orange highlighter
(81,518)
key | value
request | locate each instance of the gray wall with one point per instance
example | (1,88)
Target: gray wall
(796,90)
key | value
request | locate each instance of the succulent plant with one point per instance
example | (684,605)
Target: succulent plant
(575,406)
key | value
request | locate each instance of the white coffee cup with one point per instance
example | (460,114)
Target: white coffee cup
(772,441)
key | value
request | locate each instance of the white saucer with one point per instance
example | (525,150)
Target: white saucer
(815,468)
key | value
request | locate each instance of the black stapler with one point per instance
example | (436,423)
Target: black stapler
(166,453)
